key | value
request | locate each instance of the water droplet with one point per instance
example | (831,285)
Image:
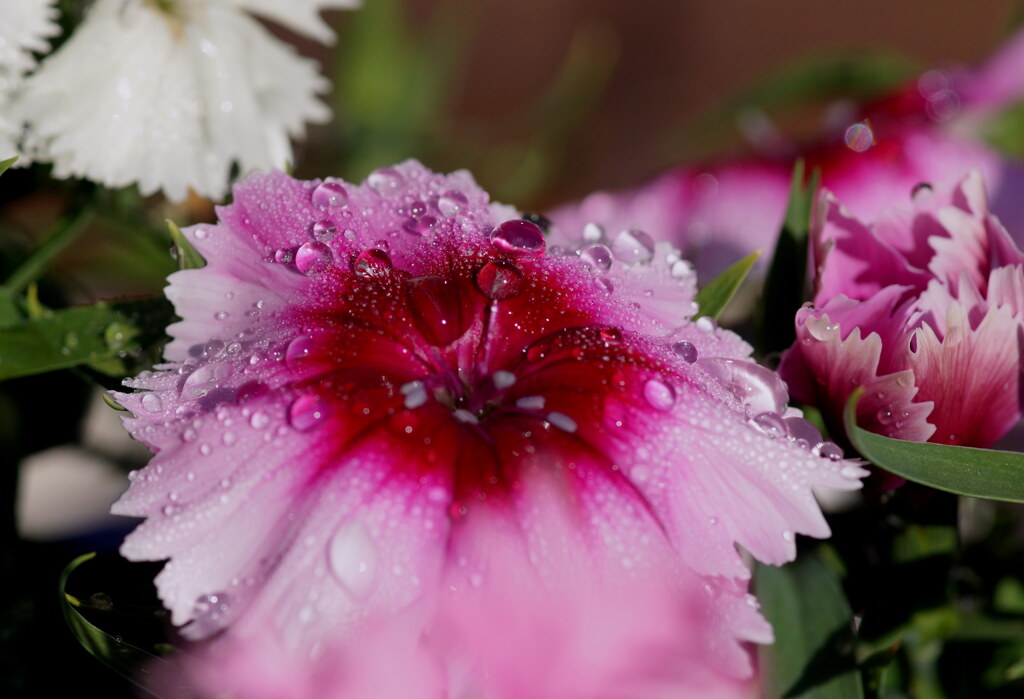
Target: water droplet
(633,246)
(597,256)
(116,335)
(228,438)
(760,390)
(353,559)
(859,137)
(604,285)
(518,237)
(152,402)
(802,432)
(562,421)
(682,270)
(705,324)
(685,351)
(787,535)
(258,420)
(386,181)
(419,226)
(313,258)
(828,450)
(659,395)
(610,335)
(210,614)
(329,195)
(284,255)
(593,232)
(324,230)
(205,379)
(771,424)
(885,416)
(499,280)
(307,412)
(452,202)
(298,349)
(372,264)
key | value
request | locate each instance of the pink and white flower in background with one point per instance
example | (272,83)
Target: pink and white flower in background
(172,95)
(925,309)
(870,156)
(398,421)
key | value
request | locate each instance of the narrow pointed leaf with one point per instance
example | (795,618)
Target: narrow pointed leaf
(122,657)
(812,657)
(979,473)
(186,255)
(83,335)
(785,286)
(6,164)
(714,297)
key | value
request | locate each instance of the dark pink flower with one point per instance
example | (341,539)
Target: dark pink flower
(398,410)
(924,309)
(870,156)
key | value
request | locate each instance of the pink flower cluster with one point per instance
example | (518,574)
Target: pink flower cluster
(925,309)
(406,444)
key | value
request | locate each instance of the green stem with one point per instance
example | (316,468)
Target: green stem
(61,235)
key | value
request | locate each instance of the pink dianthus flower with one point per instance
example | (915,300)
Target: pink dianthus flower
(924,309)
(398,418)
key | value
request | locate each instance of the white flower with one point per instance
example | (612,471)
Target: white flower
(25,26)
(170,94)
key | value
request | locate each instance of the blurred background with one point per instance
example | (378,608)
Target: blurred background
(544,101)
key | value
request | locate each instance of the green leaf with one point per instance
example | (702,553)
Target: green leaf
(83,335)
(6,164)
(122,657)
(812,657)
(186,255)
(785,286)
(714,297)
(978,473)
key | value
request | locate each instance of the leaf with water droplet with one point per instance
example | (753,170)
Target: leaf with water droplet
(82,335)
(186,255)
(126,659)
(978,473)
(812,656)
(717,293)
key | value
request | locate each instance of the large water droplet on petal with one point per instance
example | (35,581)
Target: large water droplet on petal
(307,412)
(518,237)
(329,195)
(633,246)
(298,349)
(210,615)
(803,432)
(324,230)
(659,395)
(685,351)
(313,258)
(205,379)
(597,256)
(386,181)
(771,424)
(372,264)
(353,559)
(452,202)
(757,388)
(593,232)
(499,280)
(284,255)
(152,402)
